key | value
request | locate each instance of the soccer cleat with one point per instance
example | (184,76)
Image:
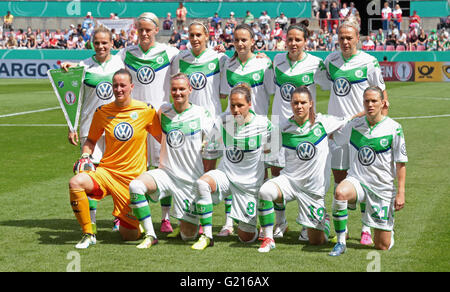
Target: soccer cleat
(303,235)
(166,227)
(94,228)
(338,249)
(366,238)
(86,241)
(225,231)
(116,224)
(267,245)
(202,243)
(280,229)
(147,242)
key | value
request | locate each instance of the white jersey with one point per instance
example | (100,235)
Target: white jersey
(204,75)
(151,72)
(307,154)
(349,80)
(97,88)
(182,141)
(243,150)
(373,153)
(256,72)
(289,75)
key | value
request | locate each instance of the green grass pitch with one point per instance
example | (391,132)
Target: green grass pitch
(39,230)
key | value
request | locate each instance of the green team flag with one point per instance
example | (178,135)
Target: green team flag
(69,91)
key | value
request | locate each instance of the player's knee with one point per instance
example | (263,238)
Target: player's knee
(77,181)
(137,187)
(202,187)
(341,192)
(268,192)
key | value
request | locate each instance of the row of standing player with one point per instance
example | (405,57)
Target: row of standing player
(351,72)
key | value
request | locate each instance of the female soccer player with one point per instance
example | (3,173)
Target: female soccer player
(351,71)
(184,127)
(125,124)
(245,138)
(377,158)
(97,91)
(306,175)
(246,67)
(150,65)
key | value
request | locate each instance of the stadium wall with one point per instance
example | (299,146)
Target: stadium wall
(432,66)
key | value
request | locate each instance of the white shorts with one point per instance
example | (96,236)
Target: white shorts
(243,206)
(182,193)
(379,213)
(311,208)
(154,148)
(99,149)
(279,161)
(339,157)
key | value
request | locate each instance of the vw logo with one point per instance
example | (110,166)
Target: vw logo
(306,151)
(123,131)
(145,74)
(175,138)
(286,91)
(366,155)
(198,80)
(104,91)
(341,86)
(234,154)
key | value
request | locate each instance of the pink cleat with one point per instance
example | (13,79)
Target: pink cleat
(366,238)
(166,227)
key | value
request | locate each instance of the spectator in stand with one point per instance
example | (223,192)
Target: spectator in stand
(443,42)
(311,44)
(415,20)
(184,36)
(256,29)
(168,22)
(249,18)
(432,44)
(402,39)
(173,41)
(228,30)
(422,37)
(323,15)
(397,16)
(380,38)
(334,14)
(11,43)
(216,21)
(413,39)
(71,42)
(334,38)
(212,42)
(181,14)
(386,14)
(80,43)
(8,20)
(282,21)
(280,44)
(90,30)
(444,22)
(232,22)
(53,42)
(343,12)
(23,41)
(352,9)
(277,31)
(368,44)
(271,43)
(88,19)
(260,44)
(264,20)
(391,40)
(84,35)
(329,43)
(321,45)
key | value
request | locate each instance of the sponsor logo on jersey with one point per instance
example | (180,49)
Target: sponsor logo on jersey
(286,91)
(175,138)
(341,86)
(145,75)
(306,151)
(366,155)
(104,91)
(198,80)
(234,154)
(123,131)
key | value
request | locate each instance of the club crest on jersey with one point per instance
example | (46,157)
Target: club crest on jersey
(286,91)
(123,131)
(198,80)
(366,155)
(306,150)
(146,74)
(103,90)
(234,154)
(341,86)
(175,138)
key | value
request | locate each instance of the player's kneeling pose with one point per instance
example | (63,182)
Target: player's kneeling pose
(125,123)
(184,127)
(306,175)
(245,138)
(377,157)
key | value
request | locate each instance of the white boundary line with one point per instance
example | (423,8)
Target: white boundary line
(421,117)
(29,112)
